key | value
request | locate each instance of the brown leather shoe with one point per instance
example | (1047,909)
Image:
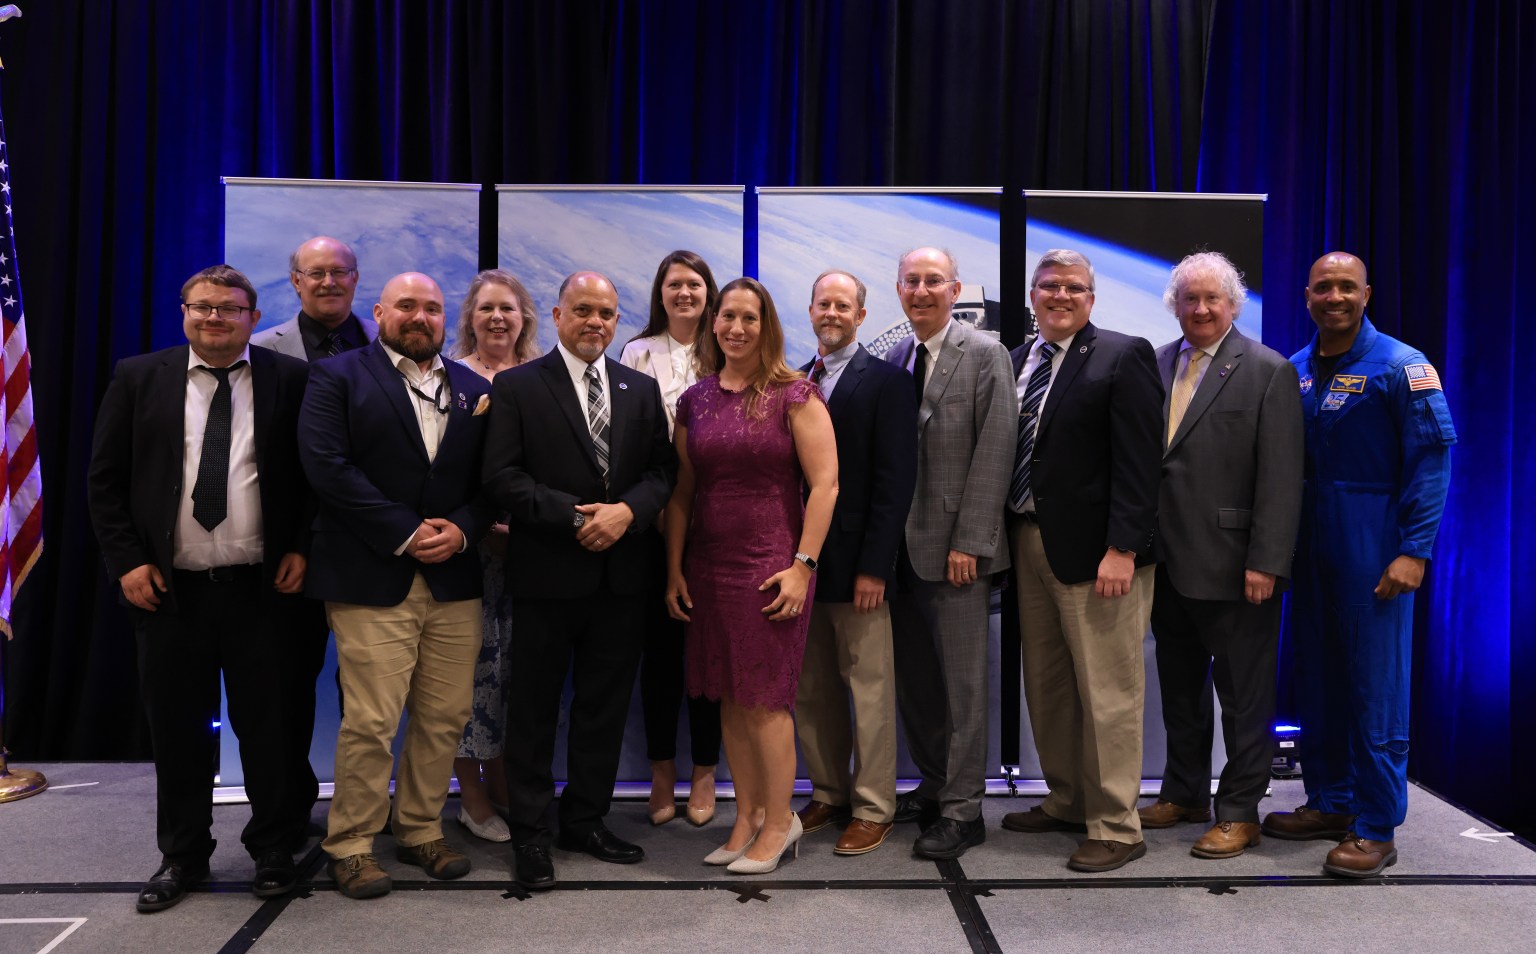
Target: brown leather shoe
(1097,855)
(1165,814)
(436,858)
(1037,822)
(817,815)
(862,836)
(359,876)
(1306,824)
(1360,858)
(1227,839)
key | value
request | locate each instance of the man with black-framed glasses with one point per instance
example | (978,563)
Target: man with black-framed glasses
(200,507)
(324,275)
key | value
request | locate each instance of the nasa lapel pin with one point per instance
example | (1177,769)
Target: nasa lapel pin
(1224,371)
(1082,349)
(463,404)
(623,386)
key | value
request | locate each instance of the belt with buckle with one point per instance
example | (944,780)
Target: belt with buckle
(223,574)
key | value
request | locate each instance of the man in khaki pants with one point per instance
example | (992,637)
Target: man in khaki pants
(1081,513)
(848,646)
(393,435)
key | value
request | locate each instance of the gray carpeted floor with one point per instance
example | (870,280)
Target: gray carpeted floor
(74,856)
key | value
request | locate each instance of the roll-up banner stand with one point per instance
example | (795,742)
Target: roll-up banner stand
(545,233)
(1133,240)
(392,227)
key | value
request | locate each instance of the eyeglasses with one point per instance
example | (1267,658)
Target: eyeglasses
(201,309)
(320,274)
(932,283)
(1075,290)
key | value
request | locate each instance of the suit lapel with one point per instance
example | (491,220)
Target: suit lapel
(263,398)
(1227,358)
(661,361)
(848,382)
(620,412)
(558,379)
(1078,355)
(941,371)
(459,407)
(389,381)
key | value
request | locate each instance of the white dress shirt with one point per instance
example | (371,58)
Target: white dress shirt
(434,384)
(237,540)
(578,370)
(1022,384)
(1182,361)
(934,346)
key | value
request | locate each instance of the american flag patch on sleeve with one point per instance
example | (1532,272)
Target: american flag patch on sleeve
(1422,377)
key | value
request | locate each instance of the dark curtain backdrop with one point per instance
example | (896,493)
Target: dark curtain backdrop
(1391,130)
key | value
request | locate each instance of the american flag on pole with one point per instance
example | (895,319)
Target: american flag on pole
(21,506)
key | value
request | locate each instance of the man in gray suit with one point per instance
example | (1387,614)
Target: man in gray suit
(324,274)
(1228,508)
(954,543)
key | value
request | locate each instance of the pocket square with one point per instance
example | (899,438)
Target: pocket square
(483,405)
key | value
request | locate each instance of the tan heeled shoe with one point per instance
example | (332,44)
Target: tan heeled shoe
(701,800)
(663,800)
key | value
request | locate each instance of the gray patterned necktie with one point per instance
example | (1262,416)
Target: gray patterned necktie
(597,419)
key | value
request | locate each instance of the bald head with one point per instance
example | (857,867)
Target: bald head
(1337,294)
(324,274)
(588,314)
(410,316)
(927,282)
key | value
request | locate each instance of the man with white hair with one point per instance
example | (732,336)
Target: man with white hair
(1228,507)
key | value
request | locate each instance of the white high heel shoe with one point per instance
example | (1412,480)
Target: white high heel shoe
(745,865)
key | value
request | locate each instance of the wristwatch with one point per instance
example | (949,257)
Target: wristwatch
(580,519)
(805,558)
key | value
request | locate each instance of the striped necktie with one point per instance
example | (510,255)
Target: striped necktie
(1029,412)
(597,419)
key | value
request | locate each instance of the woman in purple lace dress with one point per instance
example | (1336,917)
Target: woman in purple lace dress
(741,551)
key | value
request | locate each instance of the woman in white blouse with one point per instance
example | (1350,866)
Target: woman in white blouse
(683,301)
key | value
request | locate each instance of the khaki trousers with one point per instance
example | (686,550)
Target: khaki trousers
(848,654)
(1085,684)
(418,656)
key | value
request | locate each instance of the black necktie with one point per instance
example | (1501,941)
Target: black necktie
(333,344)
(919,371)
(1029,410)
(210,496)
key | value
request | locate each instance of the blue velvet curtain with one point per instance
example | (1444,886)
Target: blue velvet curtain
(1391,130)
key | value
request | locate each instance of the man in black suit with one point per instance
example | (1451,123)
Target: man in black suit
(578,455)
(1082,509)
(848,646)
(199,505)
(391,438)
(1230,502)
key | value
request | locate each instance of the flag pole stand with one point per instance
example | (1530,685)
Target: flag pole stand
(15,784)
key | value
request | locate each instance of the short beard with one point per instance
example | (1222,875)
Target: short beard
(416,353)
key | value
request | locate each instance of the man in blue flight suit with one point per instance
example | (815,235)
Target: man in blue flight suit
(1378,436)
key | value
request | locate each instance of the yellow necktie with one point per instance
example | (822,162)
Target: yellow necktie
(1183,390)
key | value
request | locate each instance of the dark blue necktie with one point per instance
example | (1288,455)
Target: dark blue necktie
(1029,411)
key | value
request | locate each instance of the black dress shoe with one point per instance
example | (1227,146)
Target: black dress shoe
(167,886)
(274,874)
(603,845)
(913,807)
(947,838)
(533,868)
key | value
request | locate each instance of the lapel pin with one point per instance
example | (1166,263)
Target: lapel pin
(1082,349)
(1224,371)
(623,386)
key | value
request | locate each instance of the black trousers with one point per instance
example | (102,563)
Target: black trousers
(303,626)
(661,692)
(230,627)
(1230,644)
(597,640)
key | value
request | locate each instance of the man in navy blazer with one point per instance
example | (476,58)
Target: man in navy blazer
(1082,510)
(578,456)
(208,592)
(848,646)
(391,438)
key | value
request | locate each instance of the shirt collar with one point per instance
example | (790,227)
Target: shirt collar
(1061,346)
(835,361)
(409,368)
(578,366)
(1211,351)
(193,361)
(936,343)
